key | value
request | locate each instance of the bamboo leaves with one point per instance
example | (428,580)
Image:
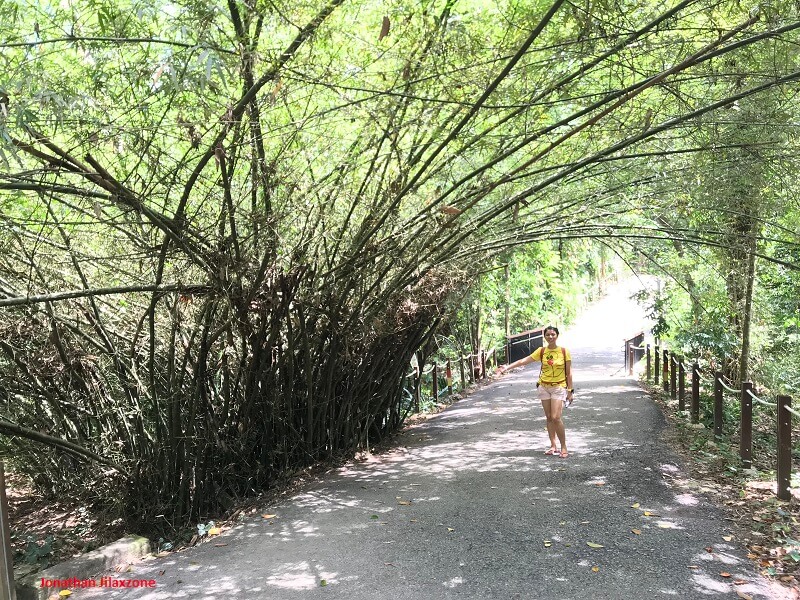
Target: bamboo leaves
(288,201)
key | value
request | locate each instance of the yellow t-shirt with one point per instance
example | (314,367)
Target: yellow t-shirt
(553,367)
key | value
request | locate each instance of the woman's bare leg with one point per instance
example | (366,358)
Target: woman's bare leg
(551,430)
(555,424)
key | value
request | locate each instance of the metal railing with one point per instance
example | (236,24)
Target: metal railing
(634,351)
(523,344)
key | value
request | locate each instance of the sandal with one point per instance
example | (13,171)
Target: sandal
(551,452)
(563,454)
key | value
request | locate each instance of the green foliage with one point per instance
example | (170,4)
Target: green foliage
(294,199)
(655,305)
(546,283)
(38,552)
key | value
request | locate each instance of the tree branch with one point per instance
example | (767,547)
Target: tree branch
(12,429)
(28,300)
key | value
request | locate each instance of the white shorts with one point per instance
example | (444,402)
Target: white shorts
(552,392)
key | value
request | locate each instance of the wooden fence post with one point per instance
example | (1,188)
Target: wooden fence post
(417,388)
(448,375)
(435,389)
(681,384)
(630,360)
(7,589)
(649,370)
(746,426)
(694,407)
(625,353)
(673,376)
(784,447)
(665,373)
(657,370)
(461,368)
(718,403)
(483,364)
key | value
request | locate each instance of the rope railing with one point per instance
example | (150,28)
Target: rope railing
(670,366)
(793,411)
(727,388)
(763,402)
(470,367)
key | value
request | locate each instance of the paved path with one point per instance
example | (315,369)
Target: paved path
(467,506)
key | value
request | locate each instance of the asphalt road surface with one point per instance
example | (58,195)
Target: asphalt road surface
(468,506)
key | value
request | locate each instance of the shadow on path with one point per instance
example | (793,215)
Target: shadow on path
(468,506)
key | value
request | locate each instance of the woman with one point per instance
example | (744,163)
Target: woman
(554,386)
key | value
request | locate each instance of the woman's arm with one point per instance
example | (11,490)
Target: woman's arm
(517,363)
(568,373)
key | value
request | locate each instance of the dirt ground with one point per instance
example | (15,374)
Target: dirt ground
(770,527)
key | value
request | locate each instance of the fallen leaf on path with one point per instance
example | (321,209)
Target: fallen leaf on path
(64,593)
(647,513)
(635,505)
(547,543)
(268,516)
(709,549)
(214,531)
(450,529)
(595,569)
(739,582)
(220,545)
(693,567)
(724,574)
(665,525)
(404,503)
(741,594)
(323,582)
(593,545)
(637,531)
(787,578)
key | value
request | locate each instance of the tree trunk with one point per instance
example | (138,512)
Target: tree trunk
(744,359)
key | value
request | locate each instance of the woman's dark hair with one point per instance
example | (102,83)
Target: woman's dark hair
(550,328)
